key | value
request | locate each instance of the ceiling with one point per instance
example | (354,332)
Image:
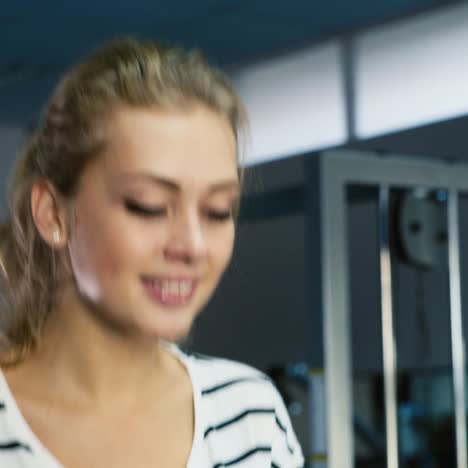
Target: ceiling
(40,39)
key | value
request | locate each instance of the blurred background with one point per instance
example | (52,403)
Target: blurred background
(359,115)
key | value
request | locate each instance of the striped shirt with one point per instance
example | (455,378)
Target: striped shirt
(240,421)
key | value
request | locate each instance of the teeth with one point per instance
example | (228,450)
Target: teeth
(174,288)
(184,288)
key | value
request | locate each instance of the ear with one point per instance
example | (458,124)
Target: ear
(48,214)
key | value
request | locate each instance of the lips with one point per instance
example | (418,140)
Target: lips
(170,291)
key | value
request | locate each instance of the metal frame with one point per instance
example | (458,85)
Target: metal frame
(388,333)
(338,169)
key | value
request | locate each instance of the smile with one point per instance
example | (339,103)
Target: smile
(170,292)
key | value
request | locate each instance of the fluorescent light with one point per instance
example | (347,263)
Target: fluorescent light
(295,103)
(412,72)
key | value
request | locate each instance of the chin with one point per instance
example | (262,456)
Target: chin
(173,336)
(173,330)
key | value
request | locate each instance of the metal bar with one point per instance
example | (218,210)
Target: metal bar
(336,320)
(357,167)
(318,449)
(388,335)
(458,345)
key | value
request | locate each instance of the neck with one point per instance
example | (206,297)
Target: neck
(96,365)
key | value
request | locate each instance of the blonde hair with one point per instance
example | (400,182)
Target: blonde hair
(126,72)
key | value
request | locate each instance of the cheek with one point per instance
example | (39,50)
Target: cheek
(104,248)
(91,255)
(222,248)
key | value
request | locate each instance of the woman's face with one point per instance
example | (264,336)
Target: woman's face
(153,229)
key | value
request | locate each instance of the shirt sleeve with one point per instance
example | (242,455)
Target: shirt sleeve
(286,451)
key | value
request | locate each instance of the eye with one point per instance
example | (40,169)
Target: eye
(219,215)
(144,211)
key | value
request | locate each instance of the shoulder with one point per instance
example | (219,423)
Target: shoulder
(220,375)
(242,403)
(229,387)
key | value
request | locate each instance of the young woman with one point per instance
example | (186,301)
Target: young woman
(122,220)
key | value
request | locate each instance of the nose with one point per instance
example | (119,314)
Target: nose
(187,242)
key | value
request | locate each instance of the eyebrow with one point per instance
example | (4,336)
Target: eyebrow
(173,186)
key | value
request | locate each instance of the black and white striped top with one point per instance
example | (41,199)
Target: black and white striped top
(240,421)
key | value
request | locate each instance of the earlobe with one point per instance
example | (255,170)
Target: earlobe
(46,213)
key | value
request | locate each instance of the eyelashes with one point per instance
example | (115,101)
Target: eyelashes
(219,216)
(159,212)
(147,212)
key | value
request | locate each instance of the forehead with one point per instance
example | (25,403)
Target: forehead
(193,146)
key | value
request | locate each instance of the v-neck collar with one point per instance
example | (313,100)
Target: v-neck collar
(43,458)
